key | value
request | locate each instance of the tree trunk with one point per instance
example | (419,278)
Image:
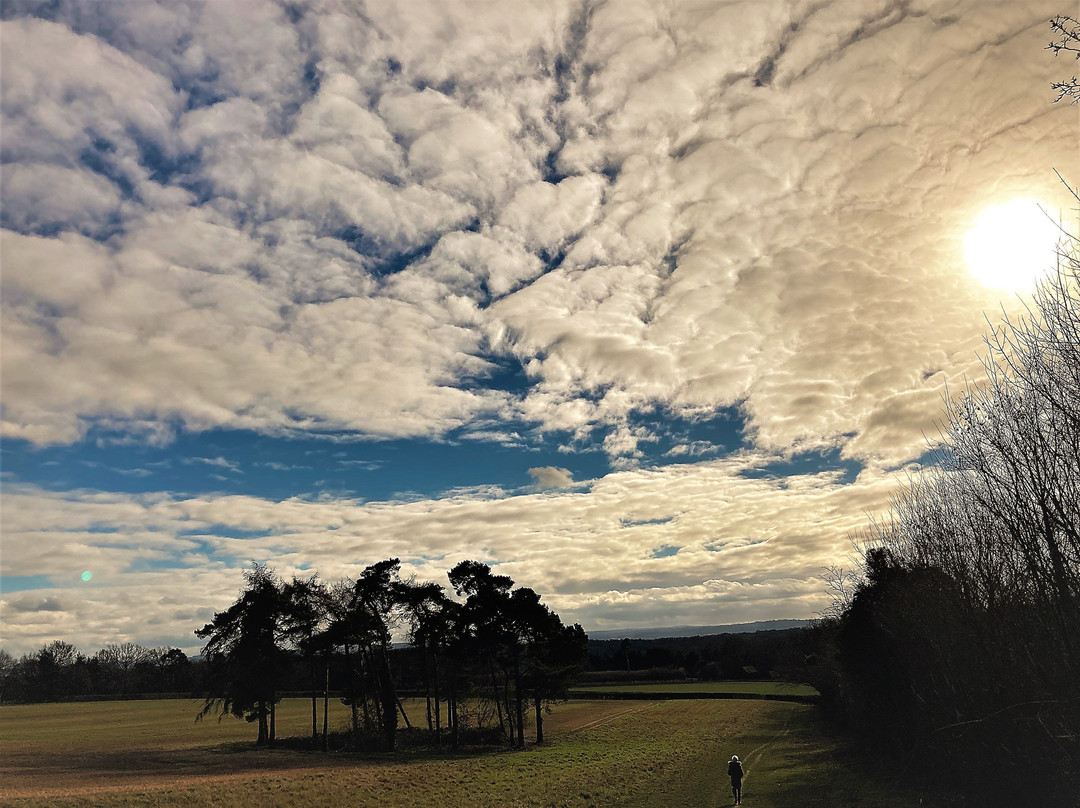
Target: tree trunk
(539,718)
(519,703)
(451,714)
(314,705)
(435,687)
(352,694)
(497,696)
(326,706)
(401,709)
(427,687)
(260,707)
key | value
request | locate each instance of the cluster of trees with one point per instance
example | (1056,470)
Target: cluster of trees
(59,671)
(492,655)
(959,649)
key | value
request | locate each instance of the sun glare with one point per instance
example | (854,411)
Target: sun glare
(1012,246)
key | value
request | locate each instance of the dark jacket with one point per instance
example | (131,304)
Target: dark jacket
(734,770)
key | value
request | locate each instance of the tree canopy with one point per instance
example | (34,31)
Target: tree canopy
(494,649)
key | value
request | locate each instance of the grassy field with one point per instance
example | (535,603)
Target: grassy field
(601,754)
(710,688)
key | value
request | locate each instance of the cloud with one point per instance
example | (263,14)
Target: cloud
(219,462)
(551,477)
(35,604)
(344,222)
(328,222)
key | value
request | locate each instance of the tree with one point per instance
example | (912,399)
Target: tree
(8,669)
(965,636)
(175,670)
(53,671)
(118,662)
(364,614)
(486,634)
(553,654)
(245,654)
(306,610)
(430,614)
(1067,31)
(525,646)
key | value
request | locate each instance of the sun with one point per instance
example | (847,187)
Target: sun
(1012,246)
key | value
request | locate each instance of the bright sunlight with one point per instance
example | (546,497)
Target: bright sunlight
(1012,246)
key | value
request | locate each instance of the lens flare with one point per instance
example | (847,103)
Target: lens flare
(87,575)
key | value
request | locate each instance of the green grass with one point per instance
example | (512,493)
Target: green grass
(601,754)
(749,687)
(164,723)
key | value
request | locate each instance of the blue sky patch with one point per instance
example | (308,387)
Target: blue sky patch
(23,583)
(475,457)
(808,463)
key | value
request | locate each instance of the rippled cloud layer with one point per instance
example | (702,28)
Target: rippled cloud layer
(584,225)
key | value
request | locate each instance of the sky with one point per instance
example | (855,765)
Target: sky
(650,305)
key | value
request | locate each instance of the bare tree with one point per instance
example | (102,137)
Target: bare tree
(967,629)
(840,584)
(1067,31)
(120,660)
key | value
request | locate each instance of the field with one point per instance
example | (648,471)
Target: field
(709,688)
(600,754)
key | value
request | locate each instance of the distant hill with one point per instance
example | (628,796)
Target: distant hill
(696,631)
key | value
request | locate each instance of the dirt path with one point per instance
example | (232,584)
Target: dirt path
(600,722)
(755,756)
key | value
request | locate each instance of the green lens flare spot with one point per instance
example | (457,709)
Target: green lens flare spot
(86,576)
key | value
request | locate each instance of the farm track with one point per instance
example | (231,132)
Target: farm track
(600,722)
(757,755)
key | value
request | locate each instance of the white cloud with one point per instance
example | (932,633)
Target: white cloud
(552,477)
(779,222)
(218,215)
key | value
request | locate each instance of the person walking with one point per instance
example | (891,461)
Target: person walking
(735,772)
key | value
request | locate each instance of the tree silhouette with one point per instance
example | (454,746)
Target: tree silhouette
(306,611)
(553,654)
(431,616)
(964,639)
(364,612)
(486,634)
(527,650)
(245,654)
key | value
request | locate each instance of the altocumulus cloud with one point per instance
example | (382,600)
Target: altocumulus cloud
(322,217)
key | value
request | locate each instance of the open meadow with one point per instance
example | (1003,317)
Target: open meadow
(604,754)
(768,689)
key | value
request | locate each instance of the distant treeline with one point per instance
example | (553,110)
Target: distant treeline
(58,671)
(955,649)
(765,654)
